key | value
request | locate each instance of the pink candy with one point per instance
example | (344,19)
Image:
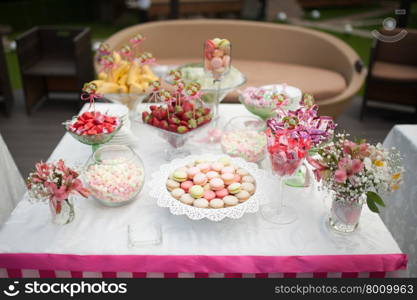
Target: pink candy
(222,193)
(209,195)
(186,185)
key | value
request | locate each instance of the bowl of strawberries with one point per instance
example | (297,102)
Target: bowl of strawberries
(176,122)
(93,128)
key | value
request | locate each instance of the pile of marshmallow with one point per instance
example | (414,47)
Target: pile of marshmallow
(114,180)
(211,184)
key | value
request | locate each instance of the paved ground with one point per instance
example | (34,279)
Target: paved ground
(33,138)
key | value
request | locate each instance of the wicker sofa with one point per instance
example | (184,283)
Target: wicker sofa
(266,53)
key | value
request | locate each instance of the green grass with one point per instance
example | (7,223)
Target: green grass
(337,12)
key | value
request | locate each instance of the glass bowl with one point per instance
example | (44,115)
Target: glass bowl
(267,110)
(244,137)
(195,72)
(94,140)
(115,175)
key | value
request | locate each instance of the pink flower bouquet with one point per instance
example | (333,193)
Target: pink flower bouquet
(54,183)
(358,171)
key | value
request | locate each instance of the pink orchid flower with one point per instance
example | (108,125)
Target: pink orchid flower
(347,168)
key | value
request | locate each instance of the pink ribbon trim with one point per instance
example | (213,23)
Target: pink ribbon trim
(205,264)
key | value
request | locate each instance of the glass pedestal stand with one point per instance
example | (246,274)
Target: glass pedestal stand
(276,211)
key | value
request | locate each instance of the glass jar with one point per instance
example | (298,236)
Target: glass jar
(63,212)
(344,215)
(244,137)
(115,175)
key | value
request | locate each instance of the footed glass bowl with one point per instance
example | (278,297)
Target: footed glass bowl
(177,140)
(115,175)
(94,140)
(195,72)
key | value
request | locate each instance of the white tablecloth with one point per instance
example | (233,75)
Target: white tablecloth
(400,216)
(102,230)
(12,186)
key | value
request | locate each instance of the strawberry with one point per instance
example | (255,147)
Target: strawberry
(145,115)
(172,127)
(164,124)
(200,121)
(192,123)
(178,109)
(153,107)
(187,116)
(187,106)
(182,129)
(183,123)
(180,115)
(163,114)
(174,120)
(207,111)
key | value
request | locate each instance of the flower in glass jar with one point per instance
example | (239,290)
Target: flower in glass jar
(347,169)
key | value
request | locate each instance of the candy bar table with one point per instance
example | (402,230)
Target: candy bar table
(96,243)
(401,215)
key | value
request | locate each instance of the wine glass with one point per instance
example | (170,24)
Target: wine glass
(276,211)
(217,63)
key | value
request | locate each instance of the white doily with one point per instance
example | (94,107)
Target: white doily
(164,198)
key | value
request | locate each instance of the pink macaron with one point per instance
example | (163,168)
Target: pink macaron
(212,174)
(216,184)
(222,193)
(186,185)
(200,179)
(191,172)
(228,178)
(237,178)
(228,170)
(209,195)
(204,168)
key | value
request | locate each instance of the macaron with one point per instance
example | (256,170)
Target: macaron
(243,196)
(196,191)
(224,160)
(180,176)
(217,166)
(206,187)
(222,193)
(228,169)
(187,199)
(200,179)
(234,188)
(204,167)
(230,201)
(249,187)
(228,178)
(248,178)
(212,174)
(186,185)
(242,172)
(237,178)
(209,195)
(216,203)
(177,193)
(192,172)
(216,184)
(172,185)
(201,203)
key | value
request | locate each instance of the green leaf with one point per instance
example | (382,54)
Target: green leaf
(372,206)
(376,198)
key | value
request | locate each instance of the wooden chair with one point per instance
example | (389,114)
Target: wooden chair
(53,59)
(392,76)
(6,91)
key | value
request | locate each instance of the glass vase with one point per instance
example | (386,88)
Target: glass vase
(63,213)
(345,215)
